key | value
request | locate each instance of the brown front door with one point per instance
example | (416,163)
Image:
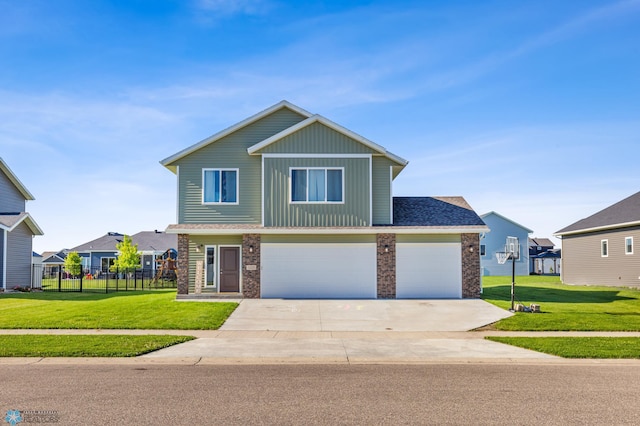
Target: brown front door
(230,269)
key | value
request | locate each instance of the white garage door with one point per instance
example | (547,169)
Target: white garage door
(428,271)
(318,270)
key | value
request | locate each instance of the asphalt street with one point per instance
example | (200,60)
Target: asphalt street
(492,394)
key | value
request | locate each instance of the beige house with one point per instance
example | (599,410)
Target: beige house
(600,249)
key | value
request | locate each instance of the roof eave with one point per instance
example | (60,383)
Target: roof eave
(167,162)
(320,231)
(16,182)
(597,229)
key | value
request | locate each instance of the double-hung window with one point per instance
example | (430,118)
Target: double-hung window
(317,185)
(220,186)
(604,248)
(628,245)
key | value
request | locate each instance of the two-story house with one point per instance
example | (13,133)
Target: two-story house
(288,204)
(17,230)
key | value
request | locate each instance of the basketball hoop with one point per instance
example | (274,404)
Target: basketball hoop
(502,257)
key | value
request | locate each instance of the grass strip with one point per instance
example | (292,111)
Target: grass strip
(29,345)
(152,310)
(564,307)
(578,347)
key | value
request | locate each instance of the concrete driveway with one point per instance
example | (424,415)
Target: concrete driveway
(362,315)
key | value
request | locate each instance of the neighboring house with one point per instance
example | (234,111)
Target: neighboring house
(501,228)
(99,255)
(17,229)
(600,249)
(52,263)
(543,250)
(288,204)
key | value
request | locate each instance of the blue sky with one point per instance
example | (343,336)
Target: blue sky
(528,108)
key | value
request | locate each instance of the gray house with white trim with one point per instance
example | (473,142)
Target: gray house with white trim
(600,249)
(288,204)
(17,229)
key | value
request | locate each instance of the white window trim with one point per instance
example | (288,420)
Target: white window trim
(601,247)
(107,257)
(215,266)
(325,181)
(625,245)
(225,203)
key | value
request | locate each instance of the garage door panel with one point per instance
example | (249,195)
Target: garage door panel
(318,270)
(428,270)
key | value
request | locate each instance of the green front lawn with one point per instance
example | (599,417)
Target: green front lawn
(156,309)
(578,347)
(564,307)
(84,345)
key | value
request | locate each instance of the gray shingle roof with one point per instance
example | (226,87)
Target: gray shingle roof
(146,241)
(623,212)
(434,211)
(542,242)
(105,243)
(155,241)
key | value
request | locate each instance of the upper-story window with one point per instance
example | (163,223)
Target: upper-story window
(220,186)
(604,248)
(628,245)
(317,185)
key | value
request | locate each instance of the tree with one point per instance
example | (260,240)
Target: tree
(128,257)
(73,264)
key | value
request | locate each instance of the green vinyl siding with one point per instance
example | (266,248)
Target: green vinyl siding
(428,238)
(317,139)
(229,152)
(381,195)
(318,239)
(354,211)
(206,240)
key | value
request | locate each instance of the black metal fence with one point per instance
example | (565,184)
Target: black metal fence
(101,281)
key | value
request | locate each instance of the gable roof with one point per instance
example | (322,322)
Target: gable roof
(619,215)
(52,257)
(16,182)
(542,242)
(215,137)
(105,243)
(316,118)
(155,241)
(434,211)
(507,219)
(9,222)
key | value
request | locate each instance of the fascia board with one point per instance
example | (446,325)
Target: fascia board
(482,216)
(282,104)
(317,118)
(33,226)
(16,182)
(597,228)
(328,231)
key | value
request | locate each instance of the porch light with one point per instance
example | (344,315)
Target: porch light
(386,248)
(250,249)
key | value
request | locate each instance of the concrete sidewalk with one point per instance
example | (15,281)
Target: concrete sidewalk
(336,347)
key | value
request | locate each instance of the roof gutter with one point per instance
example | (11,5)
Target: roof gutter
(597,228)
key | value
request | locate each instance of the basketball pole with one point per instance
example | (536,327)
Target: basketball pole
(513,282)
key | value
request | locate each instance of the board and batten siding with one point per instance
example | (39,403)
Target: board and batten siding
(279,211)
(583,264)
(229,152)
(11,200)
(317,139)
(381,194)
(19,254)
